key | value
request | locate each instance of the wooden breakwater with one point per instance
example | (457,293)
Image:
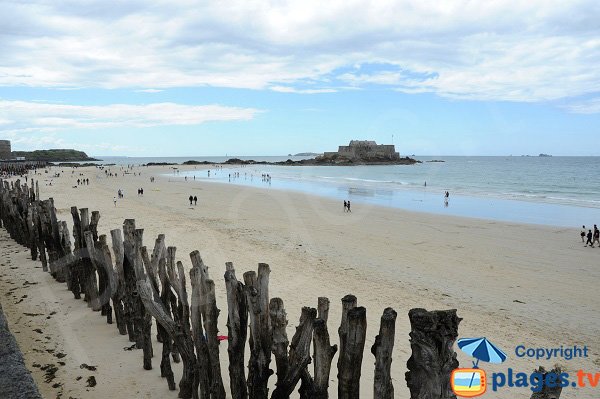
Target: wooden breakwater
(141,287)
(18,168)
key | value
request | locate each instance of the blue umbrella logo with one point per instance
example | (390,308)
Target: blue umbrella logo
(481,349)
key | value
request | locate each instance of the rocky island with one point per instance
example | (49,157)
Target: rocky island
(357,152)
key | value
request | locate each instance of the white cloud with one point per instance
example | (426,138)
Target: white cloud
(287,89)
(22,116)
(591,106)
(149,91)
(536,50)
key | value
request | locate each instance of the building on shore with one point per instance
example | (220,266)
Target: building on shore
(364,150)
(5,150)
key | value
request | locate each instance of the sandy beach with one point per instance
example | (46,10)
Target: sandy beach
(515,284)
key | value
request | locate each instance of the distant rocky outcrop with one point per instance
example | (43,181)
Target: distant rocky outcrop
(307,154)
(55,155)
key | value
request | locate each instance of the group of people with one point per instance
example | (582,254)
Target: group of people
(347,206)
(193,199)
(140,192)
(592,238)
(83,182)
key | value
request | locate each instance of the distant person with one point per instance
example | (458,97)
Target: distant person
(191,199)
(583,233)
(115,201)
(596,236)
(589,239)
(345,206)
(425,185)
(348,206)
(195,200)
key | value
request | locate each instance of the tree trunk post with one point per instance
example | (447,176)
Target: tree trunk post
(382,350)
(433,358)
(257,295)
(237,328)
(351,357)
(323,351)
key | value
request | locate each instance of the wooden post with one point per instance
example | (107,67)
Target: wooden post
(351,358)
(133,317)
(382,349)
(91,287)
(257,295)
(299,358)
(348,302)
(76,269)
(547,392)
(279,323)
(145,319)
(111,281)
(433,358)
(167,341)
(237,328)
(181,337)
(119,293)
(204,305)
(323,352)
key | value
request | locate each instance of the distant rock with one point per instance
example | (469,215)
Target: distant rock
(305,154)
(192,162)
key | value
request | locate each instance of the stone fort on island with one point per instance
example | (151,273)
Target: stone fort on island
(364,150)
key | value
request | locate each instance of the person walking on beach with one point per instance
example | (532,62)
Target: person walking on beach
(589,239)
(345,206)
(195,200)
(583,233)
(191,199)
(596,236)
(348,206)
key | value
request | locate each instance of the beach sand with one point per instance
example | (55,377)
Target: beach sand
(514,284)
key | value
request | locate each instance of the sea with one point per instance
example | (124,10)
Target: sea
(558,191)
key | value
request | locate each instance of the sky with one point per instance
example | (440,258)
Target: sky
(187,77)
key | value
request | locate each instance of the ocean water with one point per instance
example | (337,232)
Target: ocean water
(561,191)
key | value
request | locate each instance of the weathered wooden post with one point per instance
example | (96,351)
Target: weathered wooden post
(298,359)
(548,392)
(351,357)
(181,337)
(92,289)
(382,350)
(133,317)
(205,307)
(165,365)
(145,319)
(257,295)
(433,358)
(323,351)
(237,327)
(120,291)
(76,269)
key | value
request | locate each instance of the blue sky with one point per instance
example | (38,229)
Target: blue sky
(271,78)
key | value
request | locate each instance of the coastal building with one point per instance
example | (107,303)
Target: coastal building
(5,150)
(365,150)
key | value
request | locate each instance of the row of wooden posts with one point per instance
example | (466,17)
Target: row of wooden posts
(139,286)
